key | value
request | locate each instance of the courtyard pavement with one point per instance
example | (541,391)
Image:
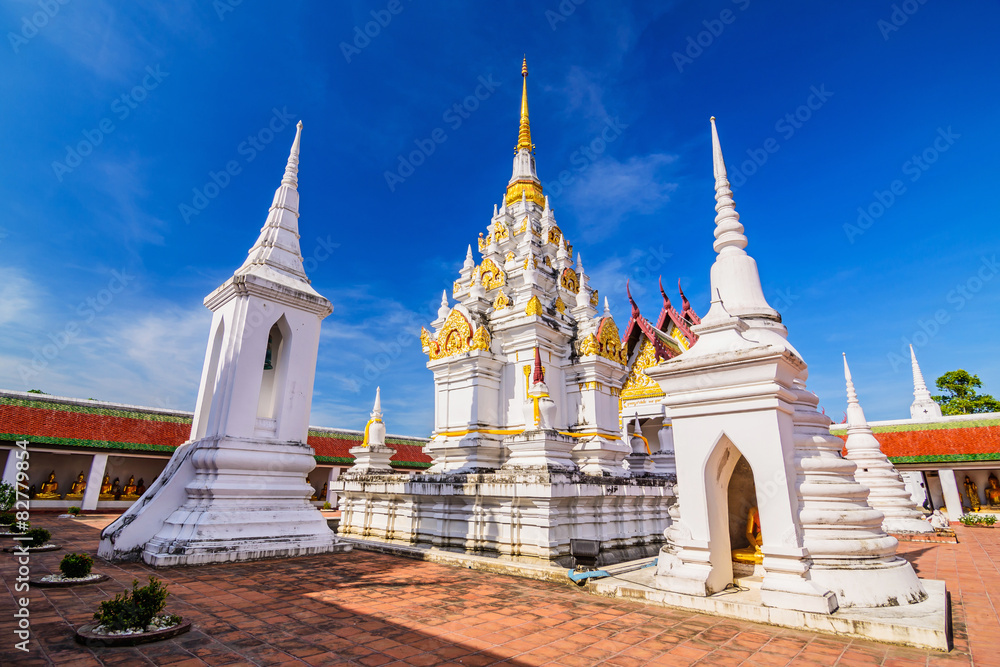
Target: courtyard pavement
(369,609)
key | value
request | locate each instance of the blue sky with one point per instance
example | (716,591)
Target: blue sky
(103,269)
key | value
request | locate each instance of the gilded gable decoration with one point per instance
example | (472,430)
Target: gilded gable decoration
(534,307)
(570,281)
(491,274)
(638,384)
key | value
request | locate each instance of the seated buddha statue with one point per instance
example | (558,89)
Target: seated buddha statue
(50,488)
(106,493)
(322,493)
(140,487)
(129,492)
(972,491)
(751,553)
(116,489)
(77,488)
(992,491)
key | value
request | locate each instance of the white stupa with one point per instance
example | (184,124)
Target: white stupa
(886,490)
(924,408)
(237,489)
(748,436)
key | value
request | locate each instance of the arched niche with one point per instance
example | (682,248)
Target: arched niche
(274,362)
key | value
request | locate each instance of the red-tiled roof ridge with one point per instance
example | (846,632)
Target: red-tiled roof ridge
(951,439)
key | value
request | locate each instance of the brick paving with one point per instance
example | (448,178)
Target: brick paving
(372,610)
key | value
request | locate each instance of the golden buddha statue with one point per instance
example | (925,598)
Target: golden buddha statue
(141,487)
(50,488)
(972,491)
(992,492)
(77,488)
(751,553)
(129,492)
(106,489)
(322,493)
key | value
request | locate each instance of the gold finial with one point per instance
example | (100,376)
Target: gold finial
(524,132)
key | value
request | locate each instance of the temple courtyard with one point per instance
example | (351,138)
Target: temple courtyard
(371,609)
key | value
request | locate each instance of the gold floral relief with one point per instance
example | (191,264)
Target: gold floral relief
(588,346)
(456,287)
(560,305)
(555,235)
(491,274)
(484,243)
(609,341)
(500,231)
(532,260)
(481,339)
(501,301)
(453,338)
(638,384)
(509,256)
(570,281)
(594,299)
(534,306)
(523,227)
(569,250)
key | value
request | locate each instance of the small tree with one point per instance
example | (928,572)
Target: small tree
(961,397)
(8,495)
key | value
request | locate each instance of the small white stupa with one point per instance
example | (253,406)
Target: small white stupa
(373,455)
(237,489)
(924,408)
(886,490)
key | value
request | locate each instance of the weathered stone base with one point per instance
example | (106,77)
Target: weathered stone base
(926,624)
(522,515)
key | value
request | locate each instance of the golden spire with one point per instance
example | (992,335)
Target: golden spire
(524,132)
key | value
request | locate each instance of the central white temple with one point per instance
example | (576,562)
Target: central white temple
(527,454)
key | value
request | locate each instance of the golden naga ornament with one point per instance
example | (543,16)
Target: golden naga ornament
(638,384)
(594,299)
(491,275)
(534,306)
(484,243)
(570,281)
(481,339)
(501,301)
(560,306)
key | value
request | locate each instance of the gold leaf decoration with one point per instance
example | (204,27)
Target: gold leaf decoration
(594,299)
(534,307)
(524,226)
(570,281)
(453,338)
(560,306)
(484,243)
(555,235)
(588,346)
(501,301)
(481,339)
(500,231)
(491,274)
(638,384)
(509,256)
(609,341)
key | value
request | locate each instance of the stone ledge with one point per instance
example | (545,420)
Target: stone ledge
(924,625)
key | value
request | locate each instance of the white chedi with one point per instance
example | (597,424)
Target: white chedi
(887,491)
(373,455)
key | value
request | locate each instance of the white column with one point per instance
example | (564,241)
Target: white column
(331,497)
(10,469)
(94,481)
(949,489)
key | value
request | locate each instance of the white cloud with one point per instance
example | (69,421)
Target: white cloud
(609,191)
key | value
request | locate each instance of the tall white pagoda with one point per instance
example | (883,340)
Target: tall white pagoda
(237,489)
(527,450)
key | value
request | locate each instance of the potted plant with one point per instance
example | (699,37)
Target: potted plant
(74,570)
(133,617)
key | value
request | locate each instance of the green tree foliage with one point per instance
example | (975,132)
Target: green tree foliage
(960,397)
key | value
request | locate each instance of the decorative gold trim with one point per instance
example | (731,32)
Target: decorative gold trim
(533,260)
(588,346)
(523,227)
(456,287)
(491,274)
(484,243)
(531,190)
(481,339)
(609,341)
(453,338)
(500,231)
(570,281)
(638,384)
(560,306)
(555,235)
(501,301)
(594,299)
(509,257)
(534,306)
(491,431)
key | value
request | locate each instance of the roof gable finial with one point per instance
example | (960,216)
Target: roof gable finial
(524,131)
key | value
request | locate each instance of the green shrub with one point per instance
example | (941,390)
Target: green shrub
(327,506)
(76,565)
(7,518)
(989,519)
(73,510)
(133,609)
(8,495)
(39,536)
